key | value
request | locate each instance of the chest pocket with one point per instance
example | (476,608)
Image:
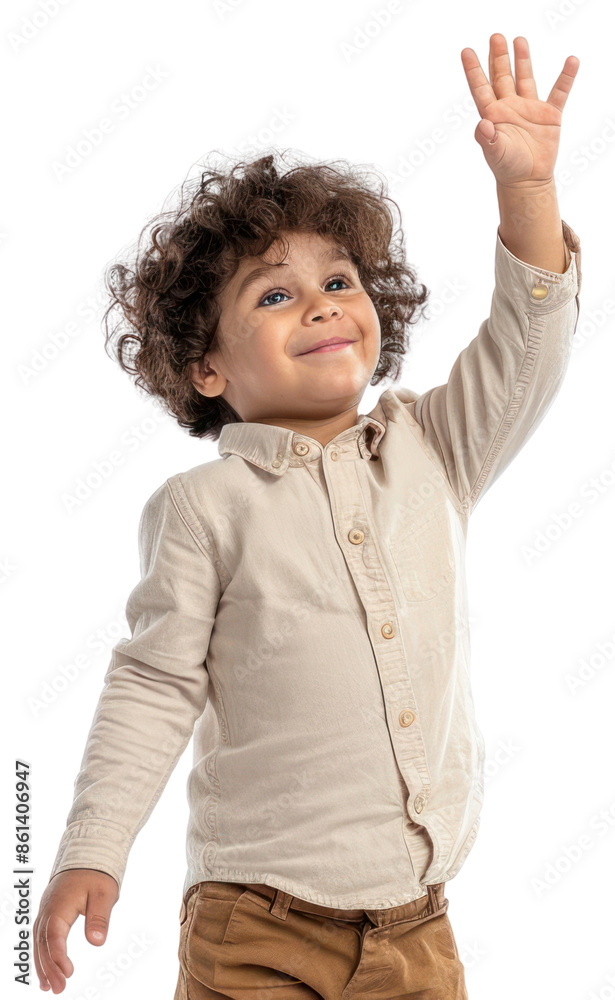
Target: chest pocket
(423,554)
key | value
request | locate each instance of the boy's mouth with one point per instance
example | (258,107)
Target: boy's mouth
(332,344)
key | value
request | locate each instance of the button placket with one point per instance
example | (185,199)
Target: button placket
(374,589)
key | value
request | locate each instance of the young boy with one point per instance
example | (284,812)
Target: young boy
(302,608)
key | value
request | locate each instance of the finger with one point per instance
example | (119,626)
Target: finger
(500,73)
(524,74)
(55,963)
(563,84)
(97,913)
(478,83)
(45,985)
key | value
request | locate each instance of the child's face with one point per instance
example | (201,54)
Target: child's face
(267,326)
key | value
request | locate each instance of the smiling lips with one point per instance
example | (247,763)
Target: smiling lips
(332,344)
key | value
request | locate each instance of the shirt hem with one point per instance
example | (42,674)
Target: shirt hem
(347,902)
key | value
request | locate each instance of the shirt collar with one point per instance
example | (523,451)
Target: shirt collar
(274,448)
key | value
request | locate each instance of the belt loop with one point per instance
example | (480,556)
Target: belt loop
(186,899)
(437,898)
(281,904)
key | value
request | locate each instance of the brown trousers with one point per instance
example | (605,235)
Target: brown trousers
(254,942)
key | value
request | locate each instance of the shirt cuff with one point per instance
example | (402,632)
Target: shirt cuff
(542,291)
(101,846)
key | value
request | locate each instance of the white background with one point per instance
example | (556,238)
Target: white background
(266,73)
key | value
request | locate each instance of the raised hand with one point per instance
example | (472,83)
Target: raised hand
(518,133)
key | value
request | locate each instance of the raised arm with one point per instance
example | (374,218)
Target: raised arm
(502,384)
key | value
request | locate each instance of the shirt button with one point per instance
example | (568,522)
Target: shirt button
(540,291)
(419,802)
(301,448)
(356,536)
(333,455)
(407,717)
(388,630)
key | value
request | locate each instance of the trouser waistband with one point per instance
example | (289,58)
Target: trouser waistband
(434,902)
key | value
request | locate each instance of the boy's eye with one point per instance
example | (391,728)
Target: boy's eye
(331,281)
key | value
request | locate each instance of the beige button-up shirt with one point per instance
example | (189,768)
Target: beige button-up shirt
(302,612)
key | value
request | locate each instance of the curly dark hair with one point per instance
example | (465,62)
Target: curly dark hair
(166,288)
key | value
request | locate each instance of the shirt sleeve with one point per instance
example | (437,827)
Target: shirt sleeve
(155,688)
(503,383)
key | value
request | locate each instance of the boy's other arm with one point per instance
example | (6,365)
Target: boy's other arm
(155,688)
(504,382)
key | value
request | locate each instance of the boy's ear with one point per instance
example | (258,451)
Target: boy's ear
(199,371)
(196,373)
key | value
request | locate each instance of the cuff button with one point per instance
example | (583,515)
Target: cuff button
(540,291)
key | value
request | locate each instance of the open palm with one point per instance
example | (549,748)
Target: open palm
(518,133)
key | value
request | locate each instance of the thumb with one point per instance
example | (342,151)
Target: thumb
(97,913)
(486,134)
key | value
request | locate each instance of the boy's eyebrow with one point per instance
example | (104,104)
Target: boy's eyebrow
(327,256)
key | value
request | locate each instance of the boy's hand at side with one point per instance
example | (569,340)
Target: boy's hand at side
(69,894)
